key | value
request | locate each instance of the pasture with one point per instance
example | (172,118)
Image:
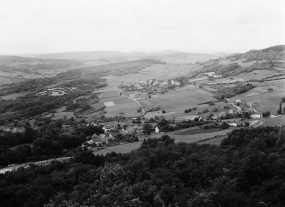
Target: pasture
(124,107)
(256,74)
(198,131)
(262,99)
(186,96)
(277,121)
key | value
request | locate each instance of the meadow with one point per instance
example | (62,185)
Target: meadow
(262,99)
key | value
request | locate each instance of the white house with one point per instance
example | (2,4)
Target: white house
(238,101)
(156,130)
(233,124)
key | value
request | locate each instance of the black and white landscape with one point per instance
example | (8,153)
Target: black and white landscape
(142,103)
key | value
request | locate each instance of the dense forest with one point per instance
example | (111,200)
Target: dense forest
(248,169)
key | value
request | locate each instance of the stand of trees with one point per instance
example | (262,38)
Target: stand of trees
(246,170)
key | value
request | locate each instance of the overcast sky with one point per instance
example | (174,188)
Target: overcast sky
(44,26)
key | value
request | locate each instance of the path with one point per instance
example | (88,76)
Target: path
(135,100)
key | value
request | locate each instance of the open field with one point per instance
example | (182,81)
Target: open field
(196,137)
(215,141)
(186,96)
(179,112)
(123,106)
(197,131)
(13,96)
(256,74)
(109,103)
(125,148)
(277,121)
(262,99)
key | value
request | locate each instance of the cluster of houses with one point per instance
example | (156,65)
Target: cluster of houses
(110,132)
(151,85)
(55,91)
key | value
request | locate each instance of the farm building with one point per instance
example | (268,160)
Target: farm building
(238,101)
(233,124)
(156,130)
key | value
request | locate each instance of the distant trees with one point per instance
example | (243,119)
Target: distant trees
(147,129)
(189,110)
(266,114)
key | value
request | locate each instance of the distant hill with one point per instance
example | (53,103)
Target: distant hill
(115,56)
(82,55)
(271,58)
(270,53)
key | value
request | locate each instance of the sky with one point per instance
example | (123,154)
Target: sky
(50,26)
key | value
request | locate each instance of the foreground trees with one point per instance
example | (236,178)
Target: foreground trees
(246,170)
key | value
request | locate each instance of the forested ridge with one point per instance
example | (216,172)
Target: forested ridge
(248,169)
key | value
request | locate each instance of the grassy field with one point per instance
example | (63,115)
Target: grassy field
(215,141)
(122,106)
(198,131)
(262,99)
(125,148)
(278,121)
(179,112)
(186,96)
(13,96)
(256,74)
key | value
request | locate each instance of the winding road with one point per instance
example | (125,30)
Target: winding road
(135,100)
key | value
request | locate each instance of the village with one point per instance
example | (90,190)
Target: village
(55,91)
(133,129)
(152,86)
